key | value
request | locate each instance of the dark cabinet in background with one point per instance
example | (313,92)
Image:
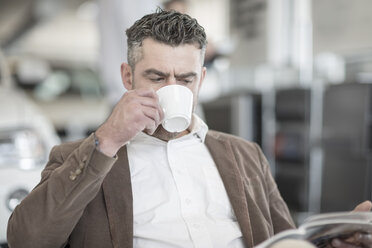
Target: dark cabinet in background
(292,116)
(347,146)
(236,113)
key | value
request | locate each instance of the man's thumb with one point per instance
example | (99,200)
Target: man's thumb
(363,207)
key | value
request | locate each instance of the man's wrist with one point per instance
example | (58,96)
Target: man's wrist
(96,141)
(103,146)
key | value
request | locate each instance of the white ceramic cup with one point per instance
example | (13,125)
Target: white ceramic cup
(176,102)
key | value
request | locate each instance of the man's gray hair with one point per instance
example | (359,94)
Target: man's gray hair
(168,27)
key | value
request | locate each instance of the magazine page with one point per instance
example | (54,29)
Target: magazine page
(343,217)
(289,234)
(322,228)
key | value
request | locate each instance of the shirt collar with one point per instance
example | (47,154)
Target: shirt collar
(198,127)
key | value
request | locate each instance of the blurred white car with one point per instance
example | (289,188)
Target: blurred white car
(26,138)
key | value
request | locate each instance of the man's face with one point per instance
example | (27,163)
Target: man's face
(162,65)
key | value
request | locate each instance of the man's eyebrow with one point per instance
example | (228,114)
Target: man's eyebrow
(154,71)
(186,75)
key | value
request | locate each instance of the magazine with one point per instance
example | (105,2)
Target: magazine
(322,228)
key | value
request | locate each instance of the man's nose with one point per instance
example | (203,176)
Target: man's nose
(171,81)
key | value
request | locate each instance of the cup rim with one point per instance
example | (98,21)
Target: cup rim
(186,119)
(174,86)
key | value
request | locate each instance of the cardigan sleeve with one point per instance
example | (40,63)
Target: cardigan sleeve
(70,180)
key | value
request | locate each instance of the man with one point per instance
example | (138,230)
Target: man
(181,6)
(176,5)
(133,184)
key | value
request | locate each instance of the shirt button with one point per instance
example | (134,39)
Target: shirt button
(85,158)
(81,165)
(188,201)
(196,226)
(72,177)
(78,171)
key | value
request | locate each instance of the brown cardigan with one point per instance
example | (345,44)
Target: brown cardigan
(84,198)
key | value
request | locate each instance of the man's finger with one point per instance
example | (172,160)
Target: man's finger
(363,207)
(149,102)
(363,238)
(151,130)
(337,243)
(161,113)
(147,92)
(152,114)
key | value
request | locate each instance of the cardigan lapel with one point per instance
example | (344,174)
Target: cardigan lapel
(224,158)
(117,189)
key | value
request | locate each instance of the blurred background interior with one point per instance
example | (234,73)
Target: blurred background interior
(292,75)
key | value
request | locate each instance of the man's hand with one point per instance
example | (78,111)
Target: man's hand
(365,206)
(358,240)
(138,110)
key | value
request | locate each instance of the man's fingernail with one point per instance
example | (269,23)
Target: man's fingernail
(336,242)
(358,236)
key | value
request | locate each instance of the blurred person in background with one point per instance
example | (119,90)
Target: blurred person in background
(182,7)
(211,87)
(116,16)
(134,184)
(176,5)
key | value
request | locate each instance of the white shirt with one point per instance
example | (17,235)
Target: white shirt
(179,199)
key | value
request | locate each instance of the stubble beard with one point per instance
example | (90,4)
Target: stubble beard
(164,135)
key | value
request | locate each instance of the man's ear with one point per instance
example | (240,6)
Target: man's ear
(126,76)
(202,76)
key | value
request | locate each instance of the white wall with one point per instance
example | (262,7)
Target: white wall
(342,26)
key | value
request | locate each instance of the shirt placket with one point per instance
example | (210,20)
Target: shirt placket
(189,206)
